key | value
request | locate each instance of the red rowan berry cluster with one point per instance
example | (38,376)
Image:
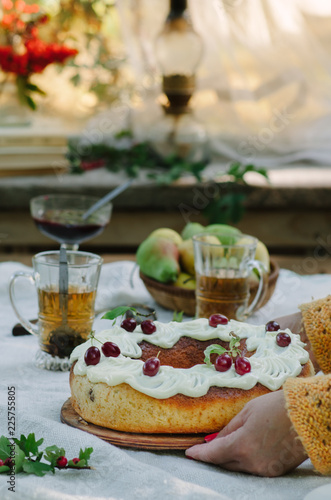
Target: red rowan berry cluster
(24,53)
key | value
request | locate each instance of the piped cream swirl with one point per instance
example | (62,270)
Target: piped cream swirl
(271,365)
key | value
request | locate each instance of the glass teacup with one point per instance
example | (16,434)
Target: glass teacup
(65,317)
(223,275)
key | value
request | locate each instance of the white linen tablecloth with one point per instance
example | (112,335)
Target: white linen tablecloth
(118,473)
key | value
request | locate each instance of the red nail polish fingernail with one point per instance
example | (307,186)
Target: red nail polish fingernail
(190,458)
(210,437)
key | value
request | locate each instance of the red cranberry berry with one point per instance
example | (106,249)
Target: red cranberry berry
(61,461)
(76,460)
(1,463)
(283,339)
(148,327)
(129,324)
(92,356)
(151,367)
(242,366)
(110,349)
(272,326)
(217,319)
(223,362)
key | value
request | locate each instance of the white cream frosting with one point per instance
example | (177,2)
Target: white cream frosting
(271,365)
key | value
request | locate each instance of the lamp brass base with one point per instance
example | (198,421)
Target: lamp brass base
(179,90)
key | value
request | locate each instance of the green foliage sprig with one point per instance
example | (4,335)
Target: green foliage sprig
(120,311)
(230,207)
(132,158)
(27,457)
(233,350)
(178,316)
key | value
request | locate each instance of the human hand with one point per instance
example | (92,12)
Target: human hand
(259,440)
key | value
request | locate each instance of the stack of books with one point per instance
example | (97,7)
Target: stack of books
(33,150)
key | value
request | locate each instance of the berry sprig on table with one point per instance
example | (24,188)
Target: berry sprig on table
(24,455)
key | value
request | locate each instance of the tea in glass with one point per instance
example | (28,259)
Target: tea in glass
(66,314)
(222,275)
(60,336)
(226,296)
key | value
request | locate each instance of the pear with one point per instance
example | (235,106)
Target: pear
(228,232)
(186,252)
(158,258)
(186,256)
(191,229)
(262,255)
(169,234)
(186,281)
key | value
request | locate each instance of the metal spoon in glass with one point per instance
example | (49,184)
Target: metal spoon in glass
(106,199)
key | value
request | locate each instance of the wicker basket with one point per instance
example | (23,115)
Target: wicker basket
(179,299)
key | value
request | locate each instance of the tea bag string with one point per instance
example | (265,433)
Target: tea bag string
(63,284)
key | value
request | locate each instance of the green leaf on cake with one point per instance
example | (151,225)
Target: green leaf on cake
(234,345)
(121,310)
(118,311)
(233,350)
(213,349)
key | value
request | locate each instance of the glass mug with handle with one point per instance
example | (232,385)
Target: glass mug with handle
(65,318)
(223,272)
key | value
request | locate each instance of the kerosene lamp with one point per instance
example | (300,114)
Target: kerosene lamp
(178,51)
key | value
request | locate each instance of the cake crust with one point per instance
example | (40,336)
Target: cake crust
(125,409)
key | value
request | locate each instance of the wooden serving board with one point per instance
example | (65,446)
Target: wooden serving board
(127,439)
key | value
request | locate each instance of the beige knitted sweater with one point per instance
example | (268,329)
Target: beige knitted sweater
(309,399)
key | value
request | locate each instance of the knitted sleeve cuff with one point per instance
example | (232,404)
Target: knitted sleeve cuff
(309,407)
(316,319)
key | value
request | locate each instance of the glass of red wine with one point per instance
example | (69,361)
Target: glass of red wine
(60,217)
